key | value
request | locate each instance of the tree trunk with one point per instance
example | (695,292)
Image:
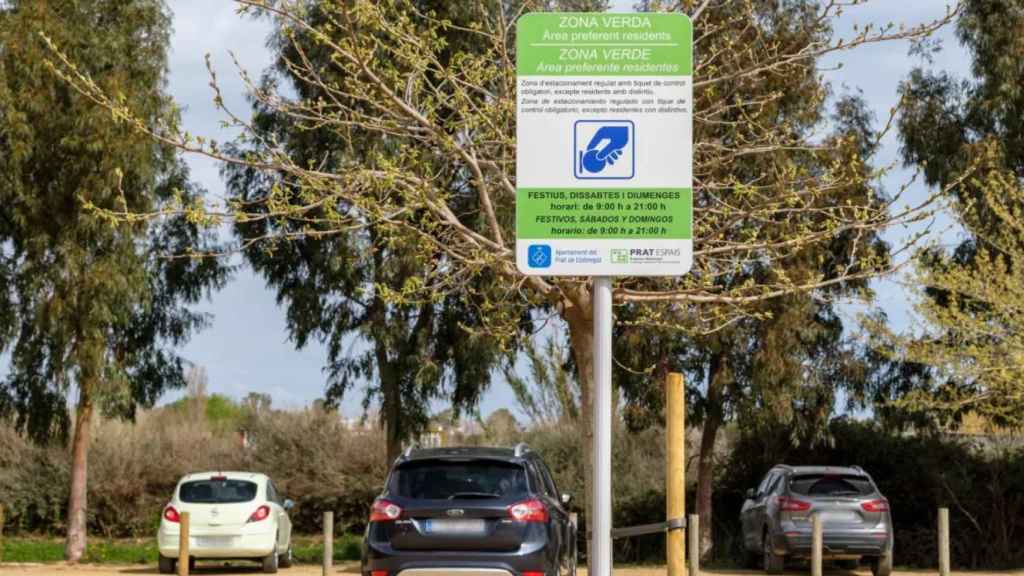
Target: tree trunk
(77,529)
(706,464)
(392,409)
(579,315)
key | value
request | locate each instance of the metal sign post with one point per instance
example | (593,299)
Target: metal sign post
(601,498)
(604,175)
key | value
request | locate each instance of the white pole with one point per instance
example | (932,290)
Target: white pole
(601,507)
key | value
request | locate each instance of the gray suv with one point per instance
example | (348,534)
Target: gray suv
(855,517)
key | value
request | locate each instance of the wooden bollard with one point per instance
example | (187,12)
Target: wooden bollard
(817,537)
(693,554)
(183,551)
(675,471)
(944,542)
(328,541)
(1,532)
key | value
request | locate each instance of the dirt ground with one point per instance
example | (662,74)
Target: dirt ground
(57,569)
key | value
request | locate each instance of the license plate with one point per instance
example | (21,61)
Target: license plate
(456,527)
(839,516)
(214,541)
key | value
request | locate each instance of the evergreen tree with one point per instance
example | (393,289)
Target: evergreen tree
(90,308)
(970,297)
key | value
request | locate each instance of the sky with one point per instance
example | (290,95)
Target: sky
(246,347)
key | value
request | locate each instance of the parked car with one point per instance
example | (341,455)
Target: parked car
(487,511)
(232,516)
(856,523)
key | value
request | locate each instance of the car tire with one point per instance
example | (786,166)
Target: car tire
(166,565)
(882,565)
(286,560)
(847,564)
(751,560)
(773,563)
(270,562)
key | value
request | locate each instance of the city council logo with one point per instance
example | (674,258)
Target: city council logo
(539,256)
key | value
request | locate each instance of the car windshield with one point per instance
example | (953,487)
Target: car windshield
(831,485)
(216,491)
(451,480)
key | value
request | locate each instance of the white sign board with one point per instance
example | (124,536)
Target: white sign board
(604,167)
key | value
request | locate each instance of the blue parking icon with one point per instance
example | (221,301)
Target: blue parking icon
(604,150)
(539,256)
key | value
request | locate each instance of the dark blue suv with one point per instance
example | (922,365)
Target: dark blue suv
(470,511)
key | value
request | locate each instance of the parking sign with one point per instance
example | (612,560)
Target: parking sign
(605,144)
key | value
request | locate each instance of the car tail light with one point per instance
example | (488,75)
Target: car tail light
(261,513)
(218,478)
(171,515)
(787,504)
(384,511)
(529,511)
(875,506)
(378,573)
(533,574)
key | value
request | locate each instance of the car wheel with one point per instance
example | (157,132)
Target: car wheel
(270,562)
(751,560)
(773,563)
(166,565)
(882,565)
(286,560)
(848,564)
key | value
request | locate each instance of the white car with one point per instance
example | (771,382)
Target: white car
(232,516)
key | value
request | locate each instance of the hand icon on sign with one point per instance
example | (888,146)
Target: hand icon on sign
(605,148)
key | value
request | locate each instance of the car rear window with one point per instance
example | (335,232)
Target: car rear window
(831,485)
(454,479)
(217,491)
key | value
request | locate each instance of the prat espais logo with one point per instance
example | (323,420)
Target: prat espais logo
(620,256)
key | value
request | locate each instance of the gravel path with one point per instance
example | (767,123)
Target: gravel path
(352,569)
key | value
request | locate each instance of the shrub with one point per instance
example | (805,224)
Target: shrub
(134,466)
(33,484)
(319,464)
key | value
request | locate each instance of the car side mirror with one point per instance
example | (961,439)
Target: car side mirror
(566,499)
(751,493)
(288,504)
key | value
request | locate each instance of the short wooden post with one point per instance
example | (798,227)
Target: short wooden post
(328,541)
(693,531)
(817,537)
(574,520)
(944,541)
(675,471)
(183,552)
(2,532)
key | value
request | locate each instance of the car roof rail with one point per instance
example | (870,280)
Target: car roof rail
(521,449)
(409,449)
